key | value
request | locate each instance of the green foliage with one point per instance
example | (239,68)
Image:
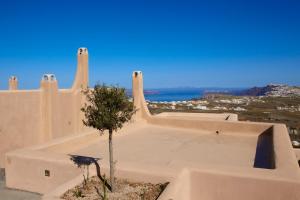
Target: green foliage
(107,108)
(83,162)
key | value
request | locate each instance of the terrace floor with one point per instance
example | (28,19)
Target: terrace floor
(173,149)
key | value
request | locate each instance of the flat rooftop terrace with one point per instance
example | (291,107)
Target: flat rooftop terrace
(169,148)
(151,152)
(203,156)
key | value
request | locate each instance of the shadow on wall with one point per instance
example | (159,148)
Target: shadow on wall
(264,157)
(2,174)
(85,161)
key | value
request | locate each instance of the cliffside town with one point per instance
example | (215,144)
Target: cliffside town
(273,90)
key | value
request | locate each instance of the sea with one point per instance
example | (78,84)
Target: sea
(183,94)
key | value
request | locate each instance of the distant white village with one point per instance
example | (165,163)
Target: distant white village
(281,90)
(198,104)
(203,104)
(233,103)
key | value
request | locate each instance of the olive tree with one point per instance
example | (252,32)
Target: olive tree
(107,108)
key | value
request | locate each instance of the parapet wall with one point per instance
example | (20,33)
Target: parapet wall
(20,120)
(194,184)
(30,117)
(213,123)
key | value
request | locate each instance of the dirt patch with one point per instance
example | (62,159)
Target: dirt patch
(125,190)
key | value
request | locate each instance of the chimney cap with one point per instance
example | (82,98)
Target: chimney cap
(136,73)
(82,50)
(13,78)
(49,77)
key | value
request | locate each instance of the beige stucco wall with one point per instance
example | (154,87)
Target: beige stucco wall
(20,120)
(31,117)
(34,177)
(231,187)
(200,116)
(195,184)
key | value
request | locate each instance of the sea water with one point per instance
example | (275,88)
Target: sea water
(182,94)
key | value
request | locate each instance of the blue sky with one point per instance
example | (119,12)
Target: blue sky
(175,43)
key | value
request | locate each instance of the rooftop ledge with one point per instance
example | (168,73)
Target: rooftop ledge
(230,153)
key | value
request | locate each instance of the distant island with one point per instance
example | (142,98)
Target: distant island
(272,90)
(151,92)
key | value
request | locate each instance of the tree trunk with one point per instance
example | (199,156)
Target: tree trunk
(111,162)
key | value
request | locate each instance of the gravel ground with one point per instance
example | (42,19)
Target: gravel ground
(125,190)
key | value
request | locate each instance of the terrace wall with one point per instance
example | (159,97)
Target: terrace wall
(205,122)
(30,117)
(20,120)
(195,184)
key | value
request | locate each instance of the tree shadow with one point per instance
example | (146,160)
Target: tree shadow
(81,161)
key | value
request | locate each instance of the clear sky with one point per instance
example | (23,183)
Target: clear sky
(175,43)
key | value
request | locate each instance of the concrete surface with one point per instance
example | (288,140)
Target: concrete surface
(173,148)
(10,194)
